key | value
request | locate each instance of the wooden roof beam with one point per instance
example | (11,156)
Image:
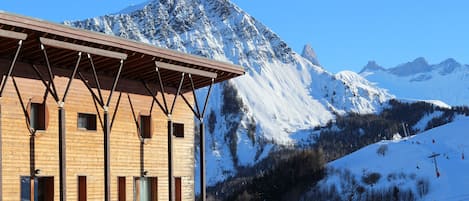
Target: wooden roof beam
(81,48)
(37,26)
(13,34)
(187,70)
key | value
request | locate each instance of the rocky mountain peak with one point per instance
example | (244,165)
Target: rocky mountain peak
(281,93)
(448,66)
(372,66)
(419,65)
(309,54)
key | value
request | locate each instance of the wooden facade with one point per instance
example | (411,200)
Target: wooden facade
(92,91)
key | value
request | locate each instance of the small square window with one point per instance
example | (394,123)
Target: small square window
(145,126)
(87,121)
(178,129)
(37,116)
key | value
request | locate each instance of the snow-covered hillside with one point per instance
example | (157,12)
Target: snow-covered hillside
(446,81)
(406,164)
(281,93)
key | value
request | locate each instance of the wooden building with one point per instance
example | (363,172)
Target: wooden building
(88,116)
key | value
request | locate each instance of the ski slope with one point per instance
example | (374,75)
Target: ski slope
(407,161)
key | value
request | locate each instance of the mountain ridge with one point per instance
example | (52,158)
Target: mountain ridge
(418,65)
(280,94)
(420,80)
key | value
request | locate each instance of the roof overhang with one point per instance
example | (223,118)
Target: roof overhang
(141,61)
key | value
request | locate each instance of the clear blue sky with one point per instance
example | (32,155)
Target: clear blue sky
(345,34)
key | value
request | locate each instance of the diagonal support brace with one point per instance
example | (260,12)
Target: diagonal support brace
(177,93)
(195,97)
(190,106)
(115,111)
(161,86)
(91,90)
(197,113)
(154,97)
(25,112)
(10,70)
(116,79)
(95,75)
(206,98)
(72,77)
(133,113)
(49,70)
(48,86)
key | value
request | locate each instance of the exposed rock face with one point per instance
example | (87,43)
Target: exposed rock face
(309,54)
(280,94)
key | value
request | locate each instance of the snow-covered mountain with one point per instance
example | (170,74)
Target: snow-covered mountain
(405,166)
(281,93)
(446,81)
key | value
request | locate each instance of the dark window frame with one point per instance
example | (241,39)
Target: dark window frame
(178,130)
(43,187)
(82,178)
(121,189)
(90,122)
(145,126)
(38,116)
(178,188)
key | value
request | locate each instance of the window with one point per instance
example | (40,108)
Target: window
(178,190)
(82,188)
(145,126)
(146,189)
(121,189)
(87,121)
(37,116)
(26,188)
(45,188)
(42,189)
(178,129)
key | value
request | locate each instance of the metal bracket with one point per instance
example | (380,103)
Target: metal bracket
(60,104)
